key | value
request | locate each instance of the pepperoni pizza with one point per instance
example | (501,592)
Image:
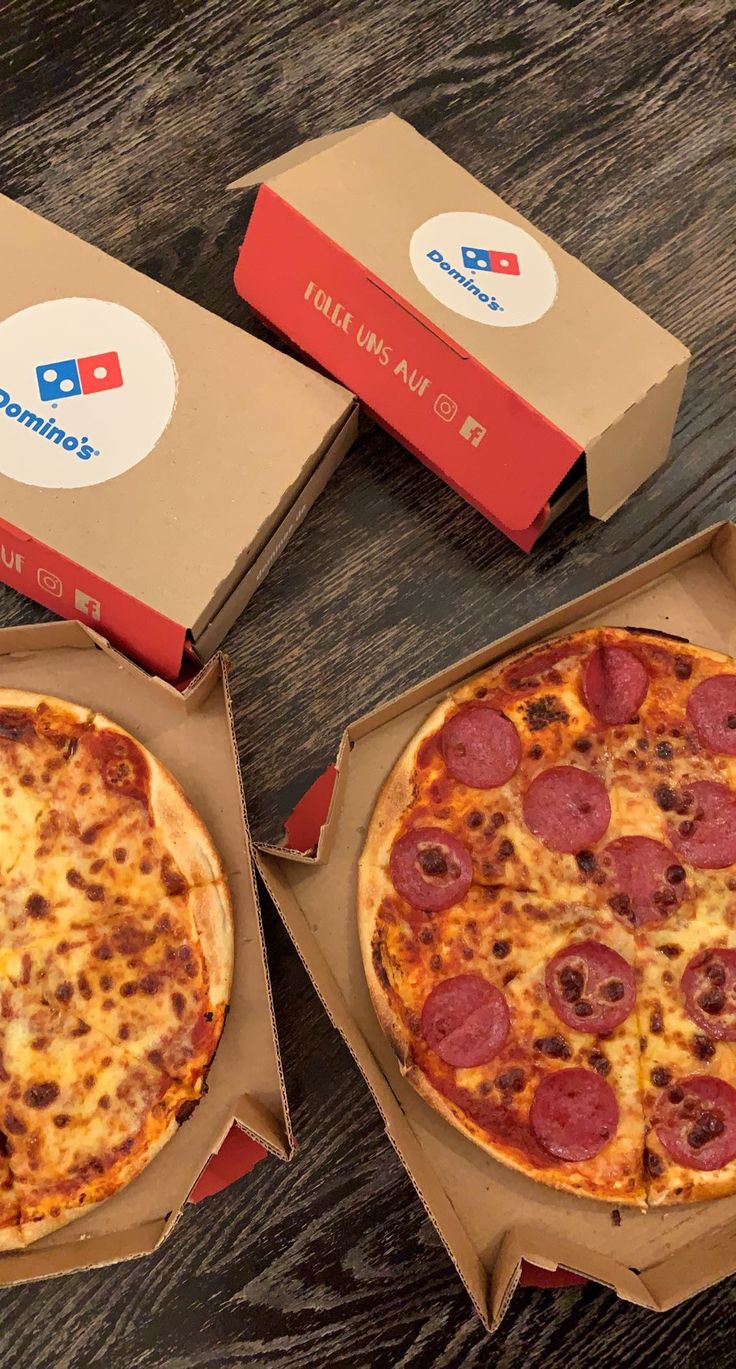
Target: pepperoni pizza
(547,910)
(115,961)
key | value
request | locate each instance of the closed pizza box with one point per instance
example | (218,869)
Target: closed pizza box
(154,459)
(491,1217)
(507,366)
(191,731)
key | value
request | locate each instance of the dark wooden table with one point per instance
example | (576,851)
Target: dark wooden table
(607,124)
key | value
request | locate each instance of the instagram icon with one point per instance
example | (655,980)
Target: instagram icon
(445,408)
(49,583)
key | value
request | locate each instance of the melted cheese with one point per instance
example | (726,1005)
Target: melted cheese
(140,979)
(78,1112)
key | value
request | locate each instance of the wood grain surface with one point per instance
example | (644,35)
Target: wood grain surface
(608,123)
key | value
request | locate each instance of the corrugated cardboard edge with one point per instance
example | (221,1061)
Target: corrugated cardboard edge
(272,1141)
(118,1247)
(633,443)
(490,1290)
(432,1195)
(336,446)
(247,1112)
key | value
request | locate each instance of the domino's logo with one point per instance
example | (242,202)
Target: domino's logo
(483,259)
(72,415)
(83,376)
(506,284)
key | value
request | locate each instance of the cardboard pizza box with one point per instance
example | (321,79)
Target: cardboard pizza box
(154,460)
(191,731)
(490,1217)
(508,367)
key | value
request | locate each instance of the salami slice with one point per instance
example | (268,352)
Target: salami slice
(590,986)
(465,1020)
(574,1114)
(711,708)
(696,1121)
(480,746)
(615,684)
(708,986)
(706,838)
(567,808)
(645,877)
(431,869)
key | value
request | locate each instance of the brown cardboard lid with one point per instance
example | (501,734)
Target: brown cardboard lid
(248,426)
(488,1216)
(583,364)
(192,734)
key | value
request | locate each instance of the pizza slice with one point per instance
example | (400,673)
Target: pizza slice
(155,979)
(514,767)
(38,737)
(514,1015)
(80,1115)
(674,786)
(687,1019)
(669,797)
(116,831)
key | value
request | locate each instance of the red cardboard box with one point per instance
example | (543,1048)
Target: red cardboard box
(502,362)
(154,460)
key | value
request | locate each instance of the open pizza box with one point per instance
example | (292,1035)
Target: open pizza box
(490,1217)
(191,731)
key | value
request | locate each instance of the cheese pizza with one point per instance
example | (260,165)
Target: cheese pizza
(547,914)
(116,955)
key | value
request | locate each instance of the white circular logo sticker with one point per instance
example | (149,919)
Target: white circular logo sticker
(86,390)
(484,268)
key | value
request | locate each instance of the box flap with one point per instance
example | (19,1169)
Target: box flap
(635,446)
(303,152)
(429,1188)
(246,424)
(582,363)
(235,593)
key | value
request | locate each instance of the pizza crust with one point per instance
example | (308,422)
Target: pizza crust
(395,796)
(28,701)
(34,1229)
(212,913)
(574,1182)
(184,831)
(701,1191)
(10,1238)
(197,857)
